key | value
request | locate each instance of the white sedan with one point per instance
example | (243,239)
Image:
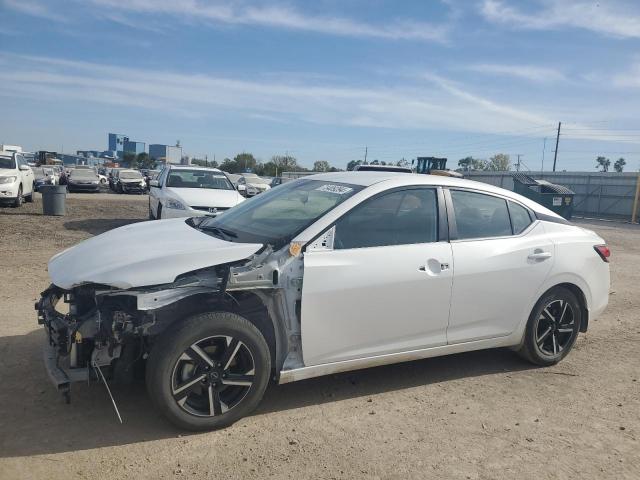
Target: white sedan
(186,191)
(324,274)
(16,179)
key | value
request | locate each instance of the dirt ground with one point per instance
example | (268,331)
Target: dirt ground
(482,415)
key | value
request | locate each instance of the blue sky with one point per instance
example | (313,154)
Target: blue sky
(322,80)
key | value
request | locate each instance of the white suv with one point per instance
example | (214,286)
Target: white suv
(189,191)
(16,179)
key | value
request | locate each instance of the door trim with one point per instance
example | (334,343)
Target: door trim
(293,375)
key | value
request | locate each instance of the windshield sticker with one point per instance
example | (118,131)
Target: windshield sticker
(339,189)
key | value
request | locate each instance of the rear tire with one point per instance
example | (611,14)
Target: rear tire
(159,212)
(552,328)
(208,371)
(151,217)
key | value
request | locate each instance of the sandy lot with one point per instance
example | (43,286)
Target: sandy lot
(482,415)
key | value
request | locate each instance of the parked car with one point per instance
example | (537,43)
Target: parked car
(83,180)
(16,179)
(44,176)
(112,178)
(187,191)
(253,184)
(151,175)
(130,181)
(276,181)
(325,274)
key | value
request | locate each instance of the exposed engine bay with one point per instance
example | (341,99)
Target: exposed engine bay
(110,331)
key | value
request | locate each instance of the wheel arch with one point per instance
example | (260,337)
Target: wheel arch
(577,291)
(248,304)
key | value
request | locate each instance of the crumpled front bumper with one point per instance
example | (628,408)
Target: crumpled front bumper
(56,346)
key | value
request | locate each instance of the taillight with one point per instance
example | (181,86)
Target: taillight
(603,251)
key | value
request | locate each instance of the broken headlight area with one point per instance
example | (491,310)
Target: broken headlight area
(111,329)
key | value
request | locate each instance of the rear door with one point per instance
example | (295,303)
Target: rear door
(501,257)
(382,284)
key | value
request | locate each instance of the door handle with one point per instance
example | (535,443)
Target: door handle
(433,267)
(539,255)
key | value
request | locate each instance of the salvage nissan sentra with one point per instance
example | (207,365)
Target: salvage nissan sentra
(325,274)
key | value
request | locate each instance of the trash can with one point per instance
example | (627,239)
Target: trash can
(556,198)
(53,199)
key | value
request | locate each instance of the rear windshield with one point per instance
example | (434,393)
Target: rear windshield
(84,174)
(7,162)
(198,179)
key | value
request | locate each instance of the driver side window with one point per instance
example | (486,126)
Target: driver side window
(402,217)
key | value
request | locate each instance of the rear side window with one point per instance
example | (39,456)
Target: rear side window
(479,215)
(520,218)
(399,218)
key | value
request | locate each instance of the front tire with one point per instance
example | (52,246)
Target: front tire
(553,328)
(209,371)
(159,212)
(18,201)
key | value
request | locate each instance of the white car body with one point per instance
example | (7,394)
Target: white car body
(346,300)
(176,202)
(335,272)
(17,177)
(253,184)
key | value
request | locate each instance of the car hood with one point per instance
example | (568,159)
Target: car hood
(143,254)
(203,197)
(7,171)
(132,180)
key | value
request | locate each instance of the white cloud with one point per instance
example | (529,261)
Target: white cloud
(613,18)
(279,17)
(532,73)
(433,103)
(33,8)
(629,79)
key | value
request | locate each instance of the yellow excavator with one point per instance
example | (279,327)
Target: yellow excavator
(434,166)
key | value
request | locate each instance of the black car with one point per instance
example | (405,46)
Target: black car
(130,181)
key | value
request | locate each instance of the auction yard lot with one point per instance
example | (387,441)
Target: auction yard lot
(477,415)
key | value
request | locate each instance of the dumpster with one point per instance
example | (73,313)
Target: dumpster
(53,199)
(556,198)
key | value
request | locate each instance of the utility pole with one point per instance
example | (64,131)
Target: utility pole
(544,147)
(518,164)
(365,154)
(555,154)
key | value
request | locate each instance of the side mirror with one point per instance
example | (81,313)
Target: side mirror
(24,168)
(154,183)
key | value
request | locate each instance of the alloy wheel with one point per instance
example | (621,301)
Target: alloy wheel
(556,328)
(212,376)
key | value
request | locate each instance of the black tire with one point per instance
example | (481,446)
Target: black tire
(30,197)
(18,201)
(159,212)
(552,328)
(151,217)
(194,391)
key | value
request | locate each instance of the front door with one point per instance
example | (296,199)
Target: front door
(383,286)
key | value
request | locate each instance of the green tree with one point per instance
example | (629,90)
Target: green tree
(352,164)
(321,166)
(230,166)
(619,165)
(286,163)
(129,159)
(603,164)
(500,162)
(144,161)
(402,163)
(245,161)
(466,163)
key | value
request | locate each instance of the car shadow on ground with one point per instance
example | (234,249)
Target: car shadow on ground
(96,226)
(35,419)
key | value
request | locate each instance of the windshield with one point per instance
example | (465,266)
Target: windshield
(130,175)
(198,179)
(42,172)
(7,162)
(256,180)
(277,216)
(83,174)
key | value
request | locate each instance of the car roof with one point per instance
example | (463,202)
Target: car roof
(399,179)
(194,167)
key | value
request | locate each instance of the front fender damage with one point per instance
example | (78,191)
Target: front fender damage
(113,329)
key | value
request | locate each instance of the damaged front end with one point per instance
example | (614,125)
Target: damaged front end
(91,327)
